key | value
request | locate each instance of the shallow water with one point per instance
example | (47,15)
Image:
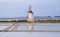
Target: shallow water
(32,34)
(29,34)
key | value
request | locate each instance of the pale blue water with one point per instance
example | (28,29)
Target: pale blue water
(34,27)
(29,34)
(32,34)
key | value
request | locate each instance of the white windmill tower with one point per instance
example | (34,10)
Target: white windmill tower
(30,18)
(30,15)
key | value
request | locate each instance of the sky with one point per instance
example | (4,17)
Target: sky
(19,8)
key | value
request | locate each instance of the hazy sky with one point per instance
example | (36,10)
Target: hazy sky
(18,8)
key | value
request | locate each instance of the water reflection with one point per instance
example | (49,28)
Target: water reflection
(31,34)
(34,27)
